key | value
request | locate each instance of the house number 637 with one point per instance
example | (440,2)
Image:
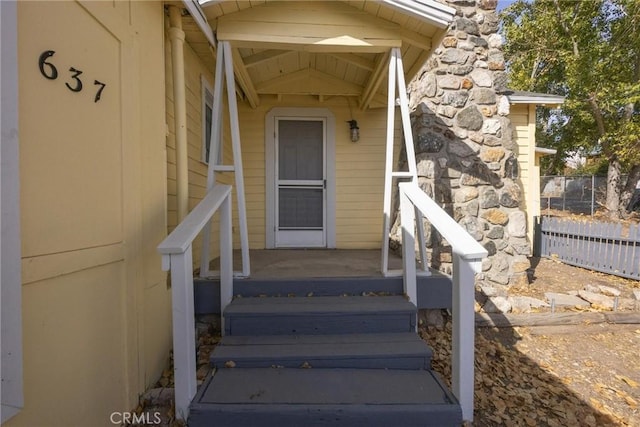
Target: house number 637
(49,71)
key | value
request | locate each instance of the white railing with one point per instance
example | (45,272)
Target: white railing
(467,257)
(177,256)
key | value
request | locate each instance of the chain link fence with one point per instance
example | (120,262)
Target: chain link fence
(575,194)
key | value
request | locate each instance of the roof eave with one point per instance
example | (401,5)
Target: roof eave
(431,11)
(546,151)
(195,10)
(537,100)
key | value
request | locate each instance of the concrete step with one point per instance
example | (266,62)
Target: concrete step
(261,397)
(319,315)
(365,351)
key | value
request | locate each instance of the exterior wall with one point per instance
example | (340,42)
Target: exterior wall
(96,309)
(195,71)
(359,166)
(523,119)
(359,171)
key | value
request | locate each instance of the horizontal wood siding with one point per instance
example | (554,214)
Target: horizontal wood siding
(195,70)
(359,171)
(360,183)
(529,175)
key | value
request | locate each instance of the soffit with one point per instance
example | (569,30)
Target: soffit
(326,48)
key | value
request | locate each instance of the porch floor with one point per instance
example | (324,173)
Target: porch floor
(321,272)
(310,263)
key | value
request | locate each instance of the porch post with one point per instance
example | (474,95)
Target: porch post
(388,169)
(463,332)
(396,76)
(216,140)
(237,155)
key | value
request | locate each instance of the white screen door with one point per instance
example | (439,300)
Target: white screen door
(300,183)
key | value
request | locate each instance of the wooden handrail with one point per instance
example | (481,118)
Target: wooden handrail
(185,233)
(177,256)
(460,240)
(467,256)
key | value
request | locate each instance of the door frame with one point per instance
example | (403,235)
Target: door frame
(270,168)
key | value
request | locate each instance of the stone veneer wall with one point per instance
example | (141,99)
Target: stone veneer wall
(465,147)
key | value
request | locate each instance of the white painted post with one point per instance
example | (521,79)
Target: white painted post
(184,336)
(237,156)
(463,334)
(422,243)
(411,155)
(388,169)
(226,257)
(407,221)
(396,77)
(216,140)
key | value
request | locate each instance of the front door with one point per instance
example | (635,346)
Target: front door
(300,200)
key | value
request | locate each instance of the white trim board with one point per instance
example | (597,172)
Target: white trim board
(270,161)
(10,248)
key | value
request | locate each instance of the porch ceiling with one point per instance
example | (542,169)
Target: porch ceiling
(320,48)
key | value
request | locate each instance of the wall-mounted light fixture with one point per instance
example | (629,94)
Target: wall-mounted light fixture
(354,130)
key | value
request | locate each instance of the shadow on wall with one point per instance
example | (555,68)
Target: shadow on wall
(470,173)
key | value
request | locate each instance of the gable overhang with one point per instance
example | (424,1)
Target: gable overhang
(325,48)
(534,98)
(308,26)
(426,10)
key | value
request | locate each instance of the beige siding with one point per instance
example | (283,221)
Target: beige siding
(359,171)
(96,318)
(195,71)
(523,119)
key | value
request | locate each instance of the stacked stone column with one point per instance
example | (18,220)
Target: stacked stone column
(465,147)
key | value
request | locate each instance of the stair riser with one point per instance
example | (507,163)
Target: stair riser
(433,291)
(325,415)
(320,324)
(325,363)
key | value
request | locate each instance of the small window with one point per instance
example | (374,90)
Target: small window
(207,120)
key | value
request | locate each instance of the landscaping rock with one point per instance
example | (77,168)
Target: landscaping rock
(158,396)
(497,305)
(433,318)
(492,291)
(608,290)
(591,288)
(636,294)
(597,299)
(564,300)
(627,304)
(525,304)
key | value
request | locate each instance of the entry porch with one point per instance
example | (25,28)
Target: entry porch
(302,188)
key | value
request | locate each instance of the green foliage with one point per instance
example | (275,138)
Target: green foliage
(598,168)
(589,52)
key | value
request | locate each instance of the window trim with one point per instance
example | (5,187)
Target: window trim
(206,94)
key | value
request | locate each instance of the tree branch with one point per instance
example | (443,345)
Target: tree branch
(565,28)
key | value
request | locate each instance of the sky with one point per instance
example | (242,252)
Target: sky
(503,4)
